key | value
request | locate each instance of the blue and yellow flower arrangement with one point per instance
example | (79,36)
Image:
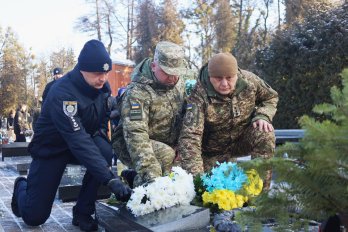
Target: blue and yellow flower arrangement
(228,186)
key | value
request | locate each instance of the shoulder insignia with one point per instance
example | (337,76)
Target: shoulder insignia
(136,112)
(191,115)
(189,107)
(70,108)
(135,106)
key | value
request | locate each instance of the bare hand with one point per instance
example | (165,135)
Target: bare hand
(177,157)
(263,125)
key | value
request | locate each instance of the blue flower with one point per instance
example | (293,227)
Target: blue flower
(225,176)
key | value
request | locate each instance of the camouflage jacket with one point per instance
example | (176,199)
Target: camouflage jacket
(213,122)
(150,111)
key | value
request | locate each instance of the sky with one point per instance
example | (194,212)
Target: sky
(45,26)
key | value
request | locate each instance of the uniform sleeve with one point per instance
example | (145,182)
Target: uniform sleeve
(135,116)
(66,120)
(190,140)
(45,92)
(266,101)
(104,128)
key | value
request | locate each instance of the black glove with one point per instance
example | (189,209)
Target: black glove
(121,191)
(129,175)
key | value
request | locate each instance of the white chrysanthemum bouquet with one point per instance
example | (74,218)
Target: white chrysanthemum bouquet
(174,189)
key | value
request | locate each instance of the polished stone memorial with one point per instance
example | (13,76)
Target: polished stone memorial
(177,218)
(14,150)
(71,182)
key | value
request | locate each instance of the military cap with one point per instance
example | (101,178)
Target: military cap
(170,57)
(222,64)
(57,71)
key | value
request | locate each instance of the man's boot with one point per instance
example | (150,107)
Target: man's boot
(128,175)
(14,201)
(84,221)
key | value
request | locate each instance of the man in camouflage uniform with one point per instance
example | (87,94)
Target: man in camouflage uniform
(151,114)
(228,115)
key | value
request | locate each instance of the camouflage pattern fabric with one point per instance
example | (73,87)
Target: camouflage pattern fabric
(151,115)
(171,58)
(219,128)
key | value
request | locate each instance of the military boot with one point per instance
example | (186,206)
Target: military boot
(14,201)
(84,221)
(128,175)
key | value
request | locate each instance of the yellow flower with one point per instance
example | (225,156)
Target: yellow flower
(225,199)
(239,200)
(255,183)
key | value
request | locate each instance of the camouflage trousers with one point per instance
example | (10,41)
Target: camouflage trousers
(145,172)
(250,142)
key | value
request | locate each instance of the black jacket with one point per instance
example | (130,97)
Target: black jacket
(71,114)
(47,88)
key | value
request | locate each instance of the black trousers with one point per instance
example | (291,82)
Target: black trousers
(36,196)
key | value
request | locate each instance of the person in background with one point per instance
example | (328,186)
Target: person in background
(57,73)
(115,115)
(72,128)
(228,115)
(21,123)
(151,113)
(10,125)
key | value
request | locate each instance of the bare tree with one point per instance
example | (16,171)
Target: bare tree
(91,23)
(265,15)
(130,29)
(240,13)
(100,22)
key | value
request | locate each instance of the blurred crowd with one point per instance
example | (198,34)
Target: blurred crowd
(17,125)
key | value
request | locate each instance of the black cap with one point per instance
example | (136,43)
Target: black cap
(94,57)
(57,71)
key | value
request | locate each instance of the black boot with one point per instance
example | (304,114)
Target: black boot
(129,175)
(84,221)
(14,203)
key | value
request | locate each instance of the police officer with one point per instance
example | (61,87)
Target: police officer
(228,115)
(57,73)
(71,127)
(151,114)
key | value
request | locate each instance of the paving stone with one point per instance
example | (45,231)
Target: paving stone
(61,216)
(10,226)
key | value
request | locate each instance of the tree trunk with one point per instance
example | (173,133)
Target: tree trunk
(98,20)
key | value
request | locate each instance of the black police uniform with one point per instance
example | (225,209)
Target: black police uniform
(47,88)
(65,132)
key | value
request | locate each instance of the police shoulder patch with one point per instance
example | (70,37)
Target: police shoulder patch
(70,108)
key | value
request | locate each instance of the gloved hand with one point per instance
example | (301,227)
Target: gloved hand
(129,175)
(121,191)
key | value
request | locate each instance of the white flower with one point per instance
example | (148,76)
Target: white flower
(164,192)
